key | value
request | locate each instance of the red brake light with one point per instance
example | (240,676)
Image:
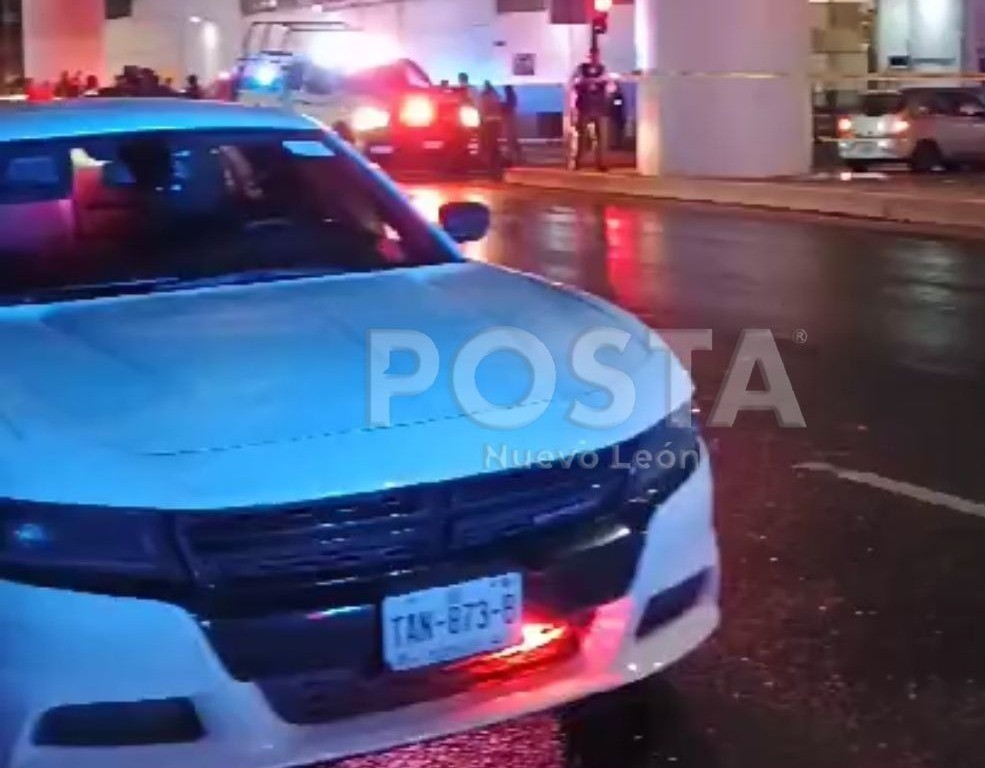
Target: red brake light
(469,116)
(900,125)
(418,112)
(844,125)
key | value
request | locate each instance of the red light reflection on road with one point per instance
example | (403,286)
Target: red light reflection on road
(624,265)
(427,201)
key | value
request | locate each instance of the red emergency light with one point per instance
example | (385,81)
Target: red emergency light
(418,112)
(600,18)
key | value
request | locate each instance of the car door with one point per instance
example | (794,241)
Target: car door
(959,128)
(944,125)
(969,116)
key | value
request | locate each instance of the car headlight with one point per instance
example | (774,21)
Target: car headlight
(469,116)
(664,457)
(367,118)
(50,539)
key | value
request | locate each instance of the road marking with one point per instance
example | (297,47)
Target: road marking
(898,487)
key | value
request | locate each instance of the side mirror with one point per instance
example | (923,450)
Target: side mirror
(465,222)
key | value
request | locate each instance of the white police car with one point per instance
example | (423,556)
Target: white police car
(254,511)
(350,80)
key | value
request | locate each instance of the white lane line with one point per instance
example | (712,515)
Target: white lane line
(898,487)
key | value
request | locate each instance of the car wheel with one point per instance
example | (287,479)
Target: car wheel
(344,132)
(857,166)
(926,157)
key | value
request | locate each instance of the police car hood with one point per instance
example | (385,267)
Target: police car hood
(211,371)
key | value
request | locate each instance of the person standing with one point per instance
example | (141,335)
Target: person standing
(63,85)
(511,128)
(193,89)
(76,85)
(466,90)
(590,84)
(491,127)
(617,116)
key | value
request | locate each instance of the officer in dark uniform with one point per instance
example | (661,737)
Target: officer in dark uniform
(617,116)
(591,83)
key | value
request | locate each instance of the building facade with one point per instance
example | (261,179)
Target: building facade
(528,42)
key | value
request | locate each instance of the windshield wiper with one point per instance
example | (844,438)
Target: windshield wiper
(168,284)
(141,287)
(250,276)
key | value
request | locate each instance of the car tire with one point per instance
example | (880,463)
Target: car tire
(926,157)
(344,132)
(857,166)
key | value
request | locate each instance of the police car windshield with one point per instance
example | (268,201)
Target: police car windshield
(397,74)
(146,212)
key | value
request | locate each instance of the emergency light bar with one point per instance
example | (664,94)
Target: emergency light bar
(261,32)
(331,45)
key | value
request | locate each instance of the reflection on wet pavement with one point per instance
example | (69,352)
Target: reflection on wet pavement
(853,617)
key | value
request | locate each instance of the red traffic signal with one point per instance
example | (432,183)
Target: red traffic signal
(600,17)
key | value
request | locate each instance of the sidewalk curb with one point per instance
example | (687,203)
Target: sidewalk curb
(909,206)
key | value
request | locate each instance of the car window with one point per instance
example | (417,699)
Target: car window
(879,104)
(968,105)
(109,213)
(959,103)
(416,76)
(924,102)
(397,75)
(33,177)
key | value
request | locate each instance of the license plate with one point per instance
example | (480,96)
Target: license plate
(434,144)
(381,150)
(867,148)
(443,624)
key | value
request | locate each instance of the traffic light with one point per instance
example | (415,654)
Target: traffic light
(600,16)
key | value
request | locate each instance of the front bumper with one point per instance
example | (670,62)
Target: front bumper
(423,146)
(874,150)
(62,648)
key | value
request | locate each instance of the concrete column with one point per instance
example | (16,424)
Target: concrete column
(64,36)
(726,90)
(937,35)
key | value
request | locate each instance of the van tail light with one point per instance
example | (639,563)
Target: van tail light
(469,116)
(418,112)
(845,126)
(898,126)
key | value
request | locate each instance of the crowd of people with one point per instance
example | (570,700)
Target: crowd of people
(596,108)
(498,127)
(135,82)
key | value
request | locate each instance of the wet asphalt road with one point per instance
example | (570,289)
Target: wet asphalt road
(854,632)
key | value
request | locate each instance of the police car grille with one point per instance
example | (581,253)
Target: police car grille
(403,529)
